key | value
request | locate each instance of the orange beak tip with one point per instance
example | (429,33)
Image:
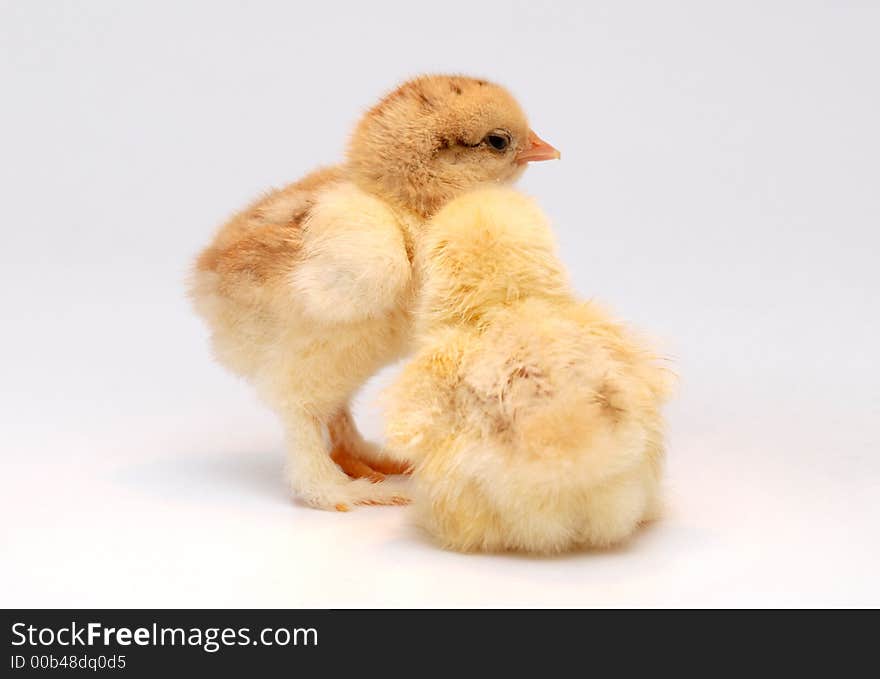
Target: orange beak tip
(537,150)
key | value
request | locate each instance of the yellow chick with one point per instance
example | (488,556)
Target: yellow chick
(531,418)
(307,290)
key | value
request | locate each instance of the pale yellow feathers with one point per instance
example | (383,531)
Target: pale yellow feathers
(532,418)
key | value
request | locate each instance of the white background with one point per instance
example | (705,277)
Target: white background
(719,187)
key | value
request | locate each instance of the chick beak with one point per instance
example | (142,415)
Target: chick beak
(538,149)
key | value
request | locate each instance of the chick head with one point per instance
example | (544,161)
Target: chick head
(483,252)
(435,137)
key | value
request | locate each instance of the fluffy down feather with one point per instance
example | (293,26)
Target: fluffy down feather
(532,419)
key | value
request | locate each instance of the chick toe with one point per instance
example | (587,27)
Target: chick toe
(355,467)
(387,466)
(391,491)
(356,454)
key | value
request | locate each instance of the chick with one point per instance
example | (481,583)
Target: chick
(531,418)
(307,290)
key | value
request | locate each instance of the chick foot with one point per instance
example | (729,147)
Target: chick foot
(344,494)
(354,466)
(358,457)
(385,465)
(363,491)
(316,475)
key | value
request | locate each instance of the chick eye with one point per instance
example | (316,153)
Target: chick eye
(498,140)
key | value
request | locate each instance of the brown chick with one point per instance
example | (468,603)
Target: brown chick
(307,291)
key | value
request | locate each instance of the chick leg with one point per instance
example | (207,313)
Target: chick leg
(312,475)
(357,456)
(317,480)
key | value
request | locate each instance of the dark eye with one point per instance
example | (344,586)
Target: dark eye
(498,140)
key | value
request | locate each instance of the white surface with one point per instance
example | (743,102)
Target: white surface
(719,188)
